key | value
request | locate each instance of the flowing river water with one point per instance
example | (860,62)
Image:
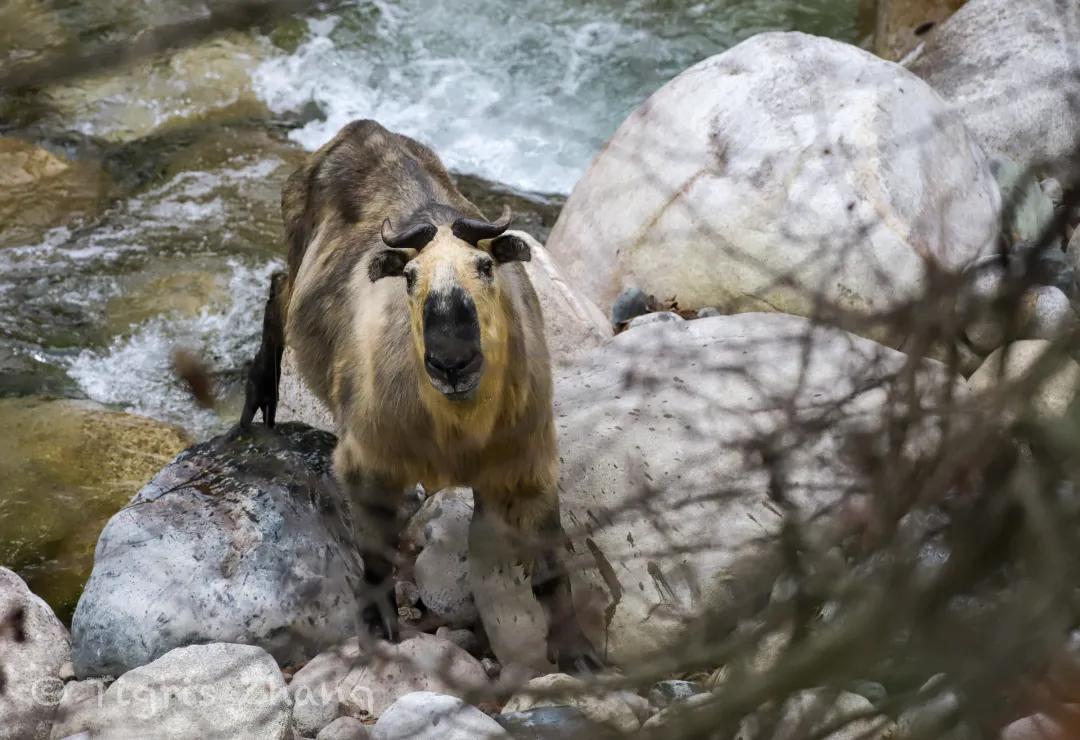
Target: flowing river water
(139,207)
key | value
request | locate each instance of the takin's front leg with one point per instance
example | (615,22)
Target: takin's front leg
(536,535)
(373,504)
(261,387)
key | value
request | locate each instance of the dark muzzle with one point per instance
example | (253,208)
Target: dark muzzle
(452,355)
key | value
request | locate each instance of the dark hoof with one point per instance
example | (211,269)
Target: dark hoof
(261,390)
(261,387)
(576,657)
(381,616)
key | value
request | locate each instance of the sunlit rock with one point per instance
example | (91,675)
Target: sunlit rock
(66,467)
(40,189)
(1049,396)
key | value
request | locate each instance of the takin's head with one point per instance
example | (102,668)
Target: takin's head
(455,295)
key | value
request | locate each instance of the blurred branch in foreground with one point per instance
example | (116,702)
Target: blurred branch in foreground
(77,61)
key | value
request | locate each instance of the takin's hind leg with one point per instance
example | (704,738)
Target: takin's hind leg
(261,387)
(537,537)
(373,503)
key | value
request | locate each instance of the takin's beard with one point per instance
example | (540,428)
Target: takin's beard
(470,423)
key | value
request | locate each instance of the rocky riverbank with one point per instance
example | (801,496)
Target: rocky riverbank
(773,302)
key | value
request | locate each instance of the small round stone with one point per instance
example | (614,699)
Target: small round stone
(631,302)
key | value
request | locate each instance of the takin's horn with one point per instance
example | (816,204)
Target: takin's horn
(415,237)
(472,230)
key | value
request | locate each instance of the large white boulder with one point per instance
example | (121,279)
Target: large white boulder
(201,691)
(787,167)
(1012,72)
(34,647)
(572,323)
(665,435)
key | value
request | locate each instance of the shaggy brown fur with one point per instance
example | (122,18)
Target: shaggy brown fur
(359,344)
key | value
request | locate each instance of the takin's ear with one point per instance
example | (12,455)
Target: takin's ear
(388,263)
(510,248)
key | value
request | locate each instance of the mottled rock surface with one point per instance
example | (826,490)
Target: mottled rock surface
(606,710)
(206,81)
(202,691)
(239,539)
(440,530)
(673,412)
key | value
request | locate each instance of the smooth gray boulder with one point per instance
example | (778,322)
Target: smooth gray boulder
(653,318)
(34,646)
(219,690)
(807,712)
(423,715)
(1011,71)
(786,168)
(239,539)
(1046,313)
(572,323)
(664,693)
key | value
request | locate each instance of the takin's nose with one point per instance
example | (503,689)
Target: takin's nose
(454,366)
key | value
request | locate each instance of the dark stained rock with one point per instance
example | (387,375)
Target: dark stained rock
(239,539)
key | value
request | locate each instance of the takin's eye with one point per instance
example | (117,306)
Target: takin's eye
(485,268)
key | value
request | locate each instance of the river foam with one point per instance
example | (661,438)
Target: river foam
(520,92)
(134,371)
